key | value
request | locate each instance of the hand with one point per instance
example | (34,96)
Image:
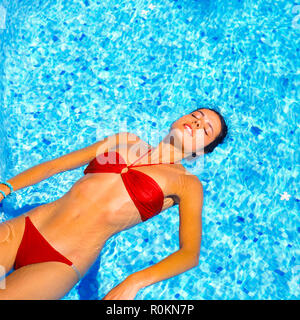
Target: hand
(126,290)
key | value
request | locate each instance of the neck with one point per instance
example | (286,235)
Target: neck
(166,152)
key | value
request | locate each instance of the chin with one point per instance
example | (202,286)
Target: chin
(181,139)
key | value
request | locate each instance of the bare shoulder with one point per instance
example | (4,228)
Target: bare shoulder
(128,138)
(189,185)
(128,135)
(121,140)
(193,181)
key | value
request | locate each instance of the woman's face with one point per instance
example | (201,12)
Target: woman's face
(196,130)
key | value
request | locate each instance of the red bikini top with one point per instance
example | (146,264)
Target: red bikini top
(143,190)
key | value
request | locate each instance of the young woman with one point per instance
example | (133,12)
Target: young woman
(52,246)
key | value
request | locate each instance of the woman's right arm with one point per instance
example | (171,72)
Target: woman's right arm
(67,162)
(27,178)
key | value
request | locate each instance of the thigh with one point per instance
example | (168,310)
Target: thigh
(11,233)
(39,281)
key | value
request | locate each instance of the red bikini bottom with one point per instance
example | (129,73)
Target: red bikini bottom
(34,248)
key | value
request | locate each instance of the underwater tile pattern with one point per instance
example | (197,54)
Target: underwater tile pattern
(73,72)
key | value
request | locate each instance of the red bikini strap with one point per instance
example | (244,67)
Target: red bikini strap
(151,164)
(148,164)
(140,158)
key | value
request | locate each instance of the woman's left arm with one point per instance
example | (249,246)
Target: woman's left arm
(187,257)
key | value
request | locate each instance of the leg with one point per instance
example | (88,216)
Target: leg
(39,281)
(11,232)
(6,260)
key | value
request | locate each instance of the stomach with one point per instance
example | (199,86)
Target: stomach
(79,223)
(101,198)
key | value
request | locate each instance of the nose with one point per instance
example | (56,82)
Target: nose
(200,123)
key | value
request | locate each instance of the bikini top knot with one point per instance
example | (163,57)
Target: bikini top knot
(124,170)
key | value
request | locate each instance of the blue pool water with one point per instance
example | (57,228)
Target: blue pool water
(73,72)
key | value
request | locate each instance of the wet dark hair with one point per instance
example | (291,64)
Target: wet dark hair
(220,138)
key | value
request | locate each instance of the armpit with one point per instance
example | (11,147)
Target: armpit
(168,202)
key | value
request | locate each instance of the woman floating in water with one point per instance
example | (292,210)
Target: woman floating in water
(52,246)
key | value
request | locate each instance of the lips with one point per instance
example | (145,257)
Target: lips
(188,128)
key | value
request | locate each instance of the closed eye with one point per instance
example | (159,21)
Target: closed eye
(198,118)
